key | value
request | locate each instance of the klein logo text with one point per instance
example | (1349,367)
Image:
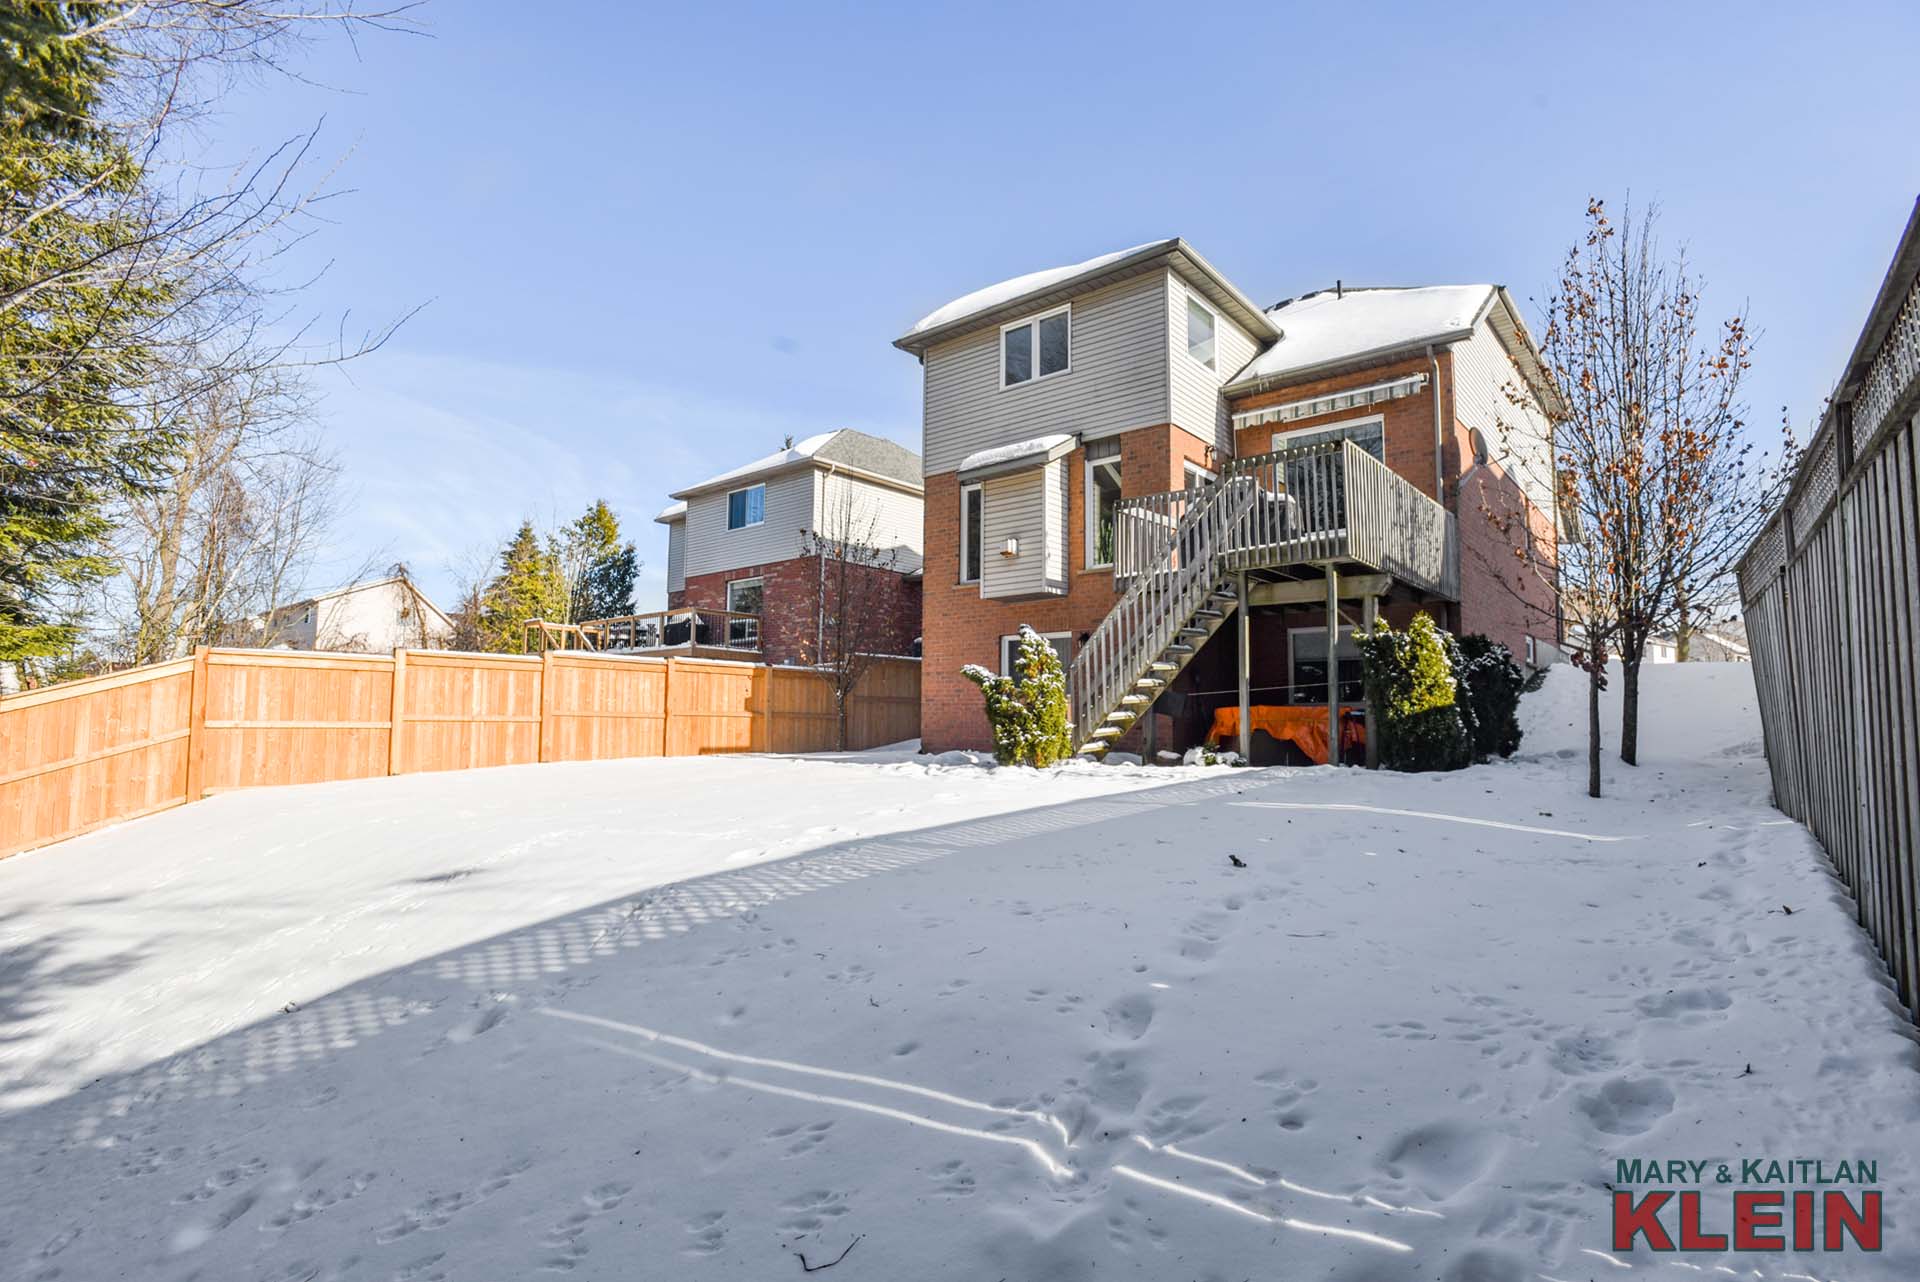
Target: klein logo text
(1760,1219)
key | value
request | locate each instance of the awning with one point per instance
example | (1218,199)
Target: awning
(1017,457)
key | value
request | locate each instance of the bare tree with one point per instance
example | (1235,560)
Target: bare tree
(857,590)
(208,552)
(1656,483)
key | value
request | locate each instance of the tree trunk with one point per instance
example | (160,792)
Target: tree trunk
(1682,629)
(1630,710)
(840,716)
(1596,665)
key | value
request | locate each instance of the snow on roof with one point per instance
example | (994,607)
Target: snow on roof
(985,300)
(843,447)
(672,511)
(779,458)
(1000,455)
(1320,328)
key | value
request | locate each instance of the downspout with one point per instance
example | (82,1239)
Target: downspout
(1439,484)
(820,595)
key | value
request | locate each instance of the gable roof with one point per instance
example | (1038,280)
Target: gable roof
(365,586)
(1011,298)
(1332,327)
(843,450)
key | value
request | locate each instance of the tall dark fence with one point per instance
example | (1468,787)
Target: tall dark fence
(1831,590)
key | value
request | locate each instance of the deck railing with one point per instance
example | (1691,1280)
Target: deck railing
(687,629)
(1314,504)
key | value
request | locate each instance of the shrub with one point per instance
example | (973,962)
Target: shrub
(1028,710)
(1494,685)
(1410,683)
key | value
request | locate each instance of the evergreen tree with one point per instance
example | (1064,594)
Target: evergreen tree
(1028,710)
(530,585)
(72,339)
(1410,683)
(600,569)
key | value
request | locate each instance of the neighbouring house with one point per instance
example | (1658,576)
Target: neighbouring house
(374,617)
(743,573)
(1134,458)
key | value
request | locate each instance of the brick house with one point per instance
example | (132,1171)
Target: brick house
(1177,486)
(741,543)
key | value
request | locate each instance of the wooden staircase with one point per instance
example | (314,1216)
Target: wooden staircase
(1171,608)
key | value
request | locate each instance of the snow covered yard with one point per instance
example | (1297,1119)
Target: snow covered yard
(702,1018)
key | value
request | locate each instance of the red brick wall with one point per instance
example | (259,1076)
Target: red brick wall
(961,627)
(790,605)
(1408,421)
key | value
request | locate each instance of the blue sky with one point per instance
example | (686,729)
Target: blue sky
(654,239)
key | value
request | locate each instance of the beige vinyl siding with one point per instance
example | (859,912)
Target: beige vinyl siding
(677,556)
(889,518)
(1117,379)
(712,547)
(1029,506)
(1518,435)
(1196,403)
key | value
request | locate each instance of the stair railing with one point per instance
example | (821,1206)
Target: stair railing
(1161,597)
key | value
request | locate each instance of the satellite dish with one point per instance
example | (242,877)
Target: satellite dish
(1481,453)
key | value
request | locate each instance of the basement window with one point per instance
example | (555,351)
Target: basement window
(1060,642)
(1037,347)
(1308,647)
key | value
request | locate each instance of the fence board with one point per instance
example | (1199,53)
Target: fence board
(1831,590)
(87,753)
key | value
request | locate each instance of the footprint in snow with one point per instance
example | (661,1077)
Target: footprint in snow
(1628,1105)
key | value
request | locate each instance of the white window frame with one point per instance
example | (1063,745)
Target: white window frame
(747,489)
(1008,642)
(1000,348)
(1093,513)
(1194,300)
(749,637)
(1345,425)
(968,535)
(1190,469)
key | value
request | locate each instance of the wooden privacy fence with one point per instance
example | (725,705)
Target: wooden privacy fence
(93,752)
(1831,590)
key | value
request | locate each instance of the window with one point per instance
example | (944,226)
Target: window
(1309,673)
(969,534)
(1193,476)
(1103,496)
(1061,643)
(1035,348)
(746,507)
(1533,653)
(1200,332)
(744,597)
(1370,434)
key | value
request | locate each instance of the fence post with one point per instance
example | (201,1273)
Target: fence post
(396,710)
(546,705)
(197,727)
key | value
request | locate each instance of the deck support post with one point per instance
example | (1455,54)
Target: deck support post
(1243,663)
(1369,615)
(1333,665)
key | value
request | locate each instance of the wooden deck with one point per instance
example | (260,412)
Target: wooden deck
(1321,505)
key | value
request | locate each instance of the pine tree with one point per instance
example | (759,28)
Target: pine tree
(530,585)
(1410,683)
(70,342)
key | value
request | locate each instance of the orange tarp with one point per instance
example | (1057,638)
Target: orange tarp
(1302,724)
